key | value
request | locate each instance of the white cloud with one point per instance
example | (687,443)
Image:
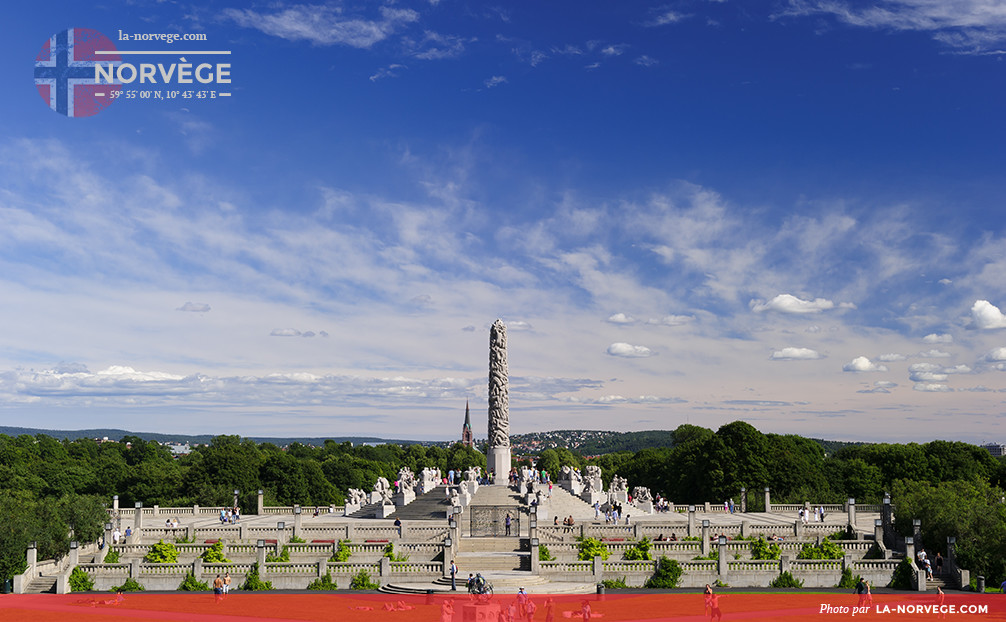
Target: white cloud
(646,61)
(436,46)
(628,350)
(614,50)
(285,332)
(862,364)
(787,303)
(324,25)
(938,338)
(391,71)
(934,354)
(891,358)
(932,387)
(987,316)
(621,318)
(495,81)
(968,26)
(998,354)
(194,307)
(795,354)
(670,320)
(812,329)
(665,17)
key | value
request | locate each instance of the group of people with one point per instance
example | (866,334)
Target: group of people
(567,523)
(222,585)
(926,565)
(171,523)
(728,506)
(805,515)
(229,516)
(118,536)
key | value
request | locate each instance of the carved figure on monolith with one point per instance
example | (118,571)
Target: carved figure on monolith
(498,458)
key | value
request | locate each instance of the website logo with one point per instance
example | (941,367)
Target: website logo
(65,70)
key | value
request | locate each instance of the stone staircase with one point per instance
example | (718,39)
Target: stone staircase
(430,506)
(489,555)
(563,504)
(41,585)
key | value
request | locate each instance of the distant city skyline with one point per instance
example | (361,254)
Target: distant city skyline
(700,211)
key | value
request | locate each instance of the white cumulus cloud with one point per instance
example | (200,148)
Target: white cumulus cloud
(627,350)
(932,387)
(861,363)
(891,357)
(938,338)
(795,354)
(987,316)
(621,318)
(788,303)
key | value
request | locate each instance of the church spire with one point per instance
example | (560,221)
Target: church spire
(467,438)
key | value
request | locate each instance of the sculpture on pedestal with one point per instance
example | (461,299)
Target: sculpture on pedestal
(498,458)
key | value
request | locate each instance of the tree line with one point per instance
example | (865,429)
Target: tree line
(50,489)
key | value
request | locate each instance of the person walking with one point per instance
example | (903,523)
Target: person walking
(454,574)
(506,522)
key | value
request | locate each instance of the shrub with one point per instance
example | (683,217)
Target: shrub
(80,581)
(112,557)
(901,578)
(254,583)
(874,553)
(760,549)
(544,555)
(713,555)
(284,555)
(786,580)
(848,581)
(342,552)
(131,585)
(639,551)
(162,553)
(297,540)
(323,583)
(215,554)
(185,539)
(389,552)
(826,550)
(192,584)
(667,575)
(361,581)
(615,584)
(589,548)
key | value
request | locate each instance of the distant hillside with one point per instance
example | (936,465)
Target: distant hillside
(590,442)
(116,434)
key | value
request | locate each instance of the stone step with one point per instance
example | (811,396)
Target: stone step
(493,544)
(41,585)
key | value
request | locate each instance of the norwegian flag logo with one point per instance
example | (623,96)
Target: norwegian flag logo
(65,68)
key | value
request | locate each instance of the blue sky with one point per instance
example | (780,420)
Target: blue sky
(784,212)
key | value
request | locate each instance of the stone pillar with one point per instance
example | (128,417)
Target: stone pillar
(260,553)
(910,550)
(297,513)
(197,567)
(498,455)
(878,532)
(261,504)
(744,500)
(385,569)
(917,530)
(322,568)
(887,518)
(138,519)
(32,557)
(721,562)
(157,510)
(745,528)
(598,569)
(74,556)
(784,564)
(705,538)
(115,503)
(691,520)
(798,528)
(134,568)
(708,509)
(768,500)
(851,506)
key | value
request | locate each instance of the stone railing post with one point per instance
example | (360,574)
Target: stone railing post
(260,507)
(322,568)
(691,520)
(115,503)
(768,500)
(385,569)
(721,561)
(197,567)
(157,510)
(705,538)
(598,569)
(195,510)
(851,508)
(708,508)
(32,557)
(138,519)
(260,553)
(745,528)
(296,520)
(535,559)
(785,563)
(798,528)
(910,549)
(878,532)
(134,568)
